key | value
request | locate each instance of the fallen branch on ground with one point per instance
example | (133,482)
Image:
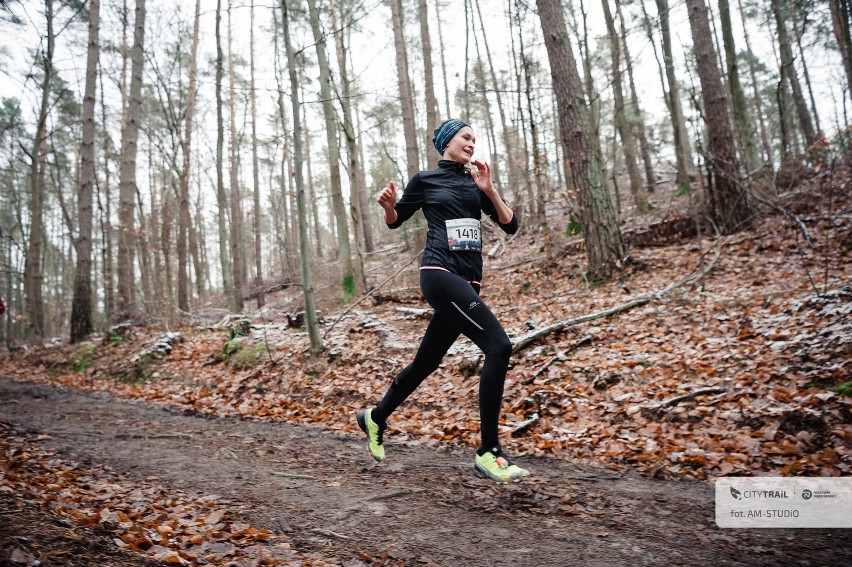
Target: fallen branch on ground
(526,340)
(525,425)
(292,475)
(369,293)
(673,400)
(177,436)
(558,356)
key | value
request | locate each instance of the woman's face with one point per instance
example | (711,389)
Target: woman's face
(460,147)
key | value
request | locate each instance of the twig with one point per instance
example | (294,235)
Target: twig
(525,425)
(292,475)
(390,495)
(369,293)
(178,436)
(558,356)
(330,533)
(677,399)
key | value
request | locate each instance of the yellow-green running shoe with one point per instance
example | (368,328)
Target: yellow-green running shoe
(374,433)
(494,465)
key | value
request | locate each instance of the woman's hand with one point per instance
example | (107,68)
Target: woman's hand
(482,177)
(387,199)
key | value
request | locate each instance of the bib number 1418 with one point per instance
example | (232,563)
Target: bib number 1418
(464,234)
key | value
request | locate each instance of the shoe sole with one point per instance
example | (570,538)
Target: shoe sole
(482,473)
(361,418)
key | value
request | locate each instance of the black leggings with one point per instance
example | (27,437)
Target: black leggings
(458,309)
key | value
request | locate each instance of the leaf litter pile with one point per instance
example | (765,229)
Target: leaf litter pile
(744,370)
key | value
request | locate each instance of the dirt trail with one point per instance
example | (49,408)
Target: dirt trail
(423,506)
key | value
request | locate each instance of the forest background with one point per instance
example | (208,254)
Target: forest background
(187,218)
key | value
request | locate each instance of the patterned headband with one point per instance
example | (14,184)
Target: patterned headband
(445,133)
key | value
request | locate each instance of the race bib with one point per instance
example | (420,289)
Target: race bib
(464,234)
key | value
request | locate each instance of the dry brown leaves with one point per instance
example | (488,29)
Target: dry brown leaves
(171,526)
(759,331)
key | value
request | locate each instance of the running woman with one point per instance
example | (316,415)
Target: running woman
(453,198)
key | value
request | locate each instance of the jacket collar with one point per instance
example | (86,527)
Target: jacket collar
(451,165)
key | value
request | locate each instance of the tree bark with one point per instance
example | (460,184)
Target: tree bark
(789,70)
(729,205)
(443,58)
(307,285)
(637,189)
(357,198)
(738,100)
(841,23)
(758,104)
(504,124)
(347,270)
(636,109)
(681,140)
(428,81)
(183,204)
(604,246)
(405,97)
(33,276)
(255,167)
(81,305)
(798,33)
(127,172)
(106,215)
(236,224)
(221,198)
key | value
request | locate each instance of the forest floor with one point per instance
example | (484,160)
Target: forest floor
(182,447)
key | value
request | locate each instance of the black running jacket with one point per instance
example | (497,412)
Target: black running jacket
(453,206)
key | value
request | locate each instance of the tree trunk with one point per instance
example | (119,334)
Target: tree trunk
(637,189)
(738,100)
(357,199)
(183,205)
(729,205)
(307,285)
(106,215)
(428,82)
(841,23)
(636,110)
(758,104)
(681,140)
(406,99)
(789,71)
(33,276)
(519,134)
(504,124)
(443,61)
(347,271)
(594,108)
(798,33)
(221,197)
(236,225)
(81,305)
(255,167)
(127,172)
(604,245)
(541,200)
